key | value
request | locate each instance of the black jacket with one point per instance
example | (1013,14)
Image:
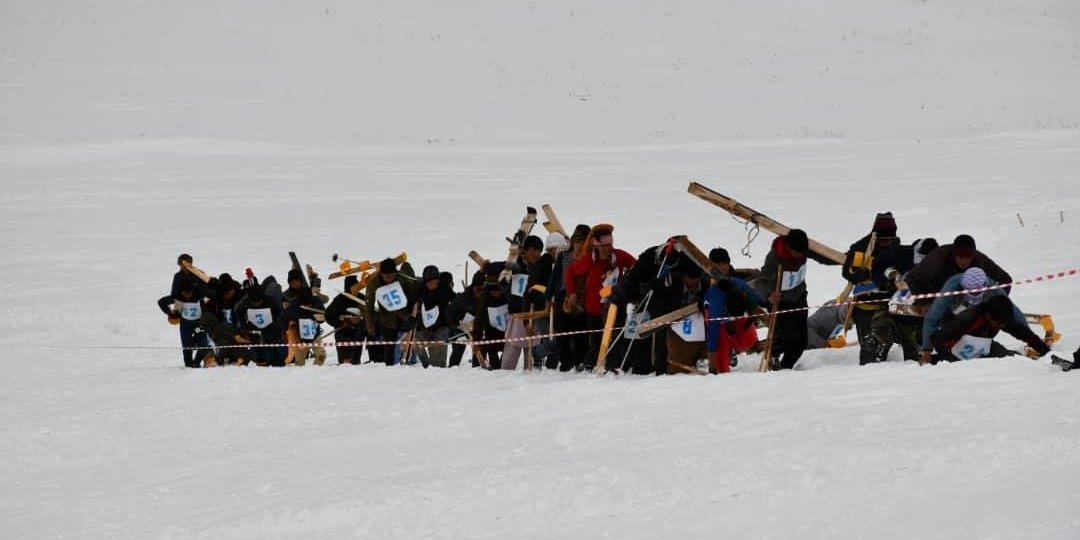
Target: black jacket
(974,322)
(930,275)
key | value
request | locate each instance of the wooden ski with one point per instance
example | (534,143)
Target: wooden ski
(737,209)
(688,248)
(766,355)
(662,321)
(478,259)
(348,267)
(553,224)
(605,340)
(296,266)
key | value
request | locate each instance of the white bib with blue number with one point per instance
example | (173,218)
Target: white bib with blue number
(690,329)
(634,322)
(972,347)
(611,278)
(467,322)
(308,328)
(498,316)
(260,318)
(190,311)
(518,284)
(793,279)
(391,297)
(431,316)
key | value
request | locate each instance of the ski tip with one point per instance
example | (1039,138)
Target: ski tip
(334,257)
(530,210)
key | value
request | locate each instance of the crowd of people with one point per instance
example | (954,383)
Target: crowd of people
(547,304)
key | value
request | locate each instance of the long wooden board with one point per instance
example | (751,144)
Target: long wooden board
(740,210)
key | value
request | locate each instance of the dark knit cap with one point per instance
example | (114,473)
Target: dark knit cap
(719,255)
(797,240)
(926,245)
(295,275)
(387,266)
(964,246)
(184,257)
(885,225)
(534,242)
(350,280)
(430,273)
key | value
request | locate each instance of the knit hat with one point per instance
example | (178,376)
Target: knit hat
(184,257)
(295,275)
(923,247)
(533,242)
(964,246)
(350,280)
(973,278)
(556,240)
(580,233)
(431,272)
(387,266)
(719,255)
(885,225)
(796,239)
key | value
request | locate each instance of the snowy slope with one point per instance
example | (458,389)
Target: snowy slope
(133,131)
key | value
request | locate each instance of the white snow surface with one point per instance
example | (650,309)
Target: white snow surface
(131,131)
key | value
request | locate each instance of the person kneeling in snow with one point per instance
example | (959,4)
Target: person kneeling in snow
(732,298)
(971,334)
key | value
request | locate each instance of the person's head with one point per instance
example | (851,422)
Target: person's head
(184,258)
(885,229)
(998,310)
(555,243)
(797,242)
(578,238)
(431,277)
(295,279)
(493,288)
(187,290)
(923,247)
(603,242)
(388,270)
(255,294)
(736,302)
(533,249)
(720,257)
(476,286)
(352,284)
(963,251)
(691,275)
(974,278)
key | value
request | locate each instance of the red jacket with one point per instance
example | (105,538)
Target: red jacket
(594,272)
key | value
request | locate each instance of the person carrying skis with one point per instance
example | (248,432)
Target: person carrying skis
(733,297)
(521,276)
(857,270)
(390,299)
(788,256)
(434,297)
(347,318)
(184,306)
(930,275)
(569,317)
(888,271)
(601,267)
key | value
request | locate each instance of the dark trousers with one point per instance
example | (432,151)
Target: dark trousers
(457,351)
(387,353)
(789,338)
(572,349)
(890,329)
(493,351)
(869,345)
(350,355)
(270,356)
(191,336)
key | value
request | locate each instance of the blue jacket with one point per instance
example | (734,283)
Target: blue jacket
(716,306)
(942,308)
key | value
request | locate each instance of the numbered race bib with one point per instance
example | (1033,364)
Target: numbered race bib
(260,318)
(498,316)
(634,322)
(690,329)
(972,347)
(793,279)
(391,297)
(308,329)
(190,311)
(518,284)
(228,315)
(431,316)
(467,322)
